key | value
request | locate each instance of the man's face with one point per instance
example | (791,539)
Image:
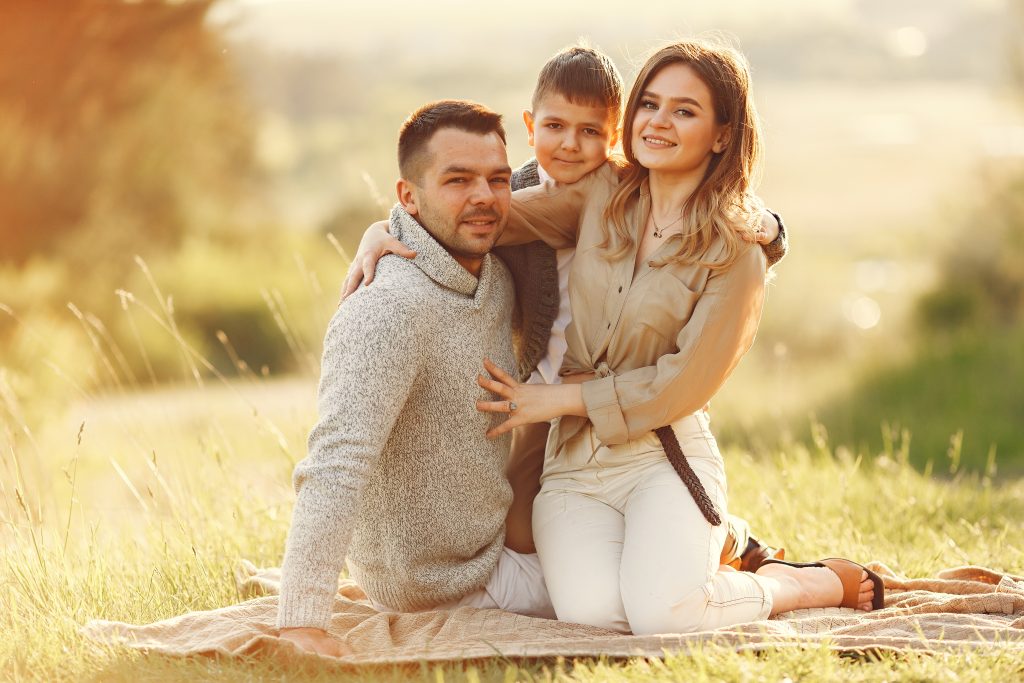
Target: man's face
(463,195)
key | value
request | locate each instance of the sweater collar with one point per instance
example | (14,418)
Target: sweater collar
(432,258)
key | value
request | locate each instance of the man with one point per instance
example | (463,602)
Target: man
(400,478)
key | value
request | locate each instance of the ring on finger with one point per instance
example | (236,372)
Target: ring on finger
(512,407)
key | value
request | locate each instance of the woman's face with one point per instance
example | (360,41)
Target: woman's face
(674,129)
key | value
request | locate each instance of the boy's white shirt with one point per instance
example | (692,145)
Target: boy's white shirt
(551,363)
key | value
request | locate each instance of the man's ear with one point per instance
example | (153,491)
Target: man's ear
(407,196)
(528,120)
(722,141)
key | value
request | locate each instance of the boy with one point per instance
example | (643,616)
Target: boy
(573,126)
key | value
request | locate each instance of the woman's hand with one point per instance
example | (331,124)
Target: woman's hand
(376,242)
(527,403)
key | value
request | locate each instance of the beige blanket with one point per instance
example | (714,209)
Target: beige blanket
(966,607)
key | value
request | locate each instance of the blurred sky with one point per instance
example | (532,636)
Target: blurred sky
(623,29)
(331,26)
(859,75)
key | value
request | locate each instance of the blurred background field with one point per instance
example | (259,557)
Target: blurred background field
(193,174)
(181,183)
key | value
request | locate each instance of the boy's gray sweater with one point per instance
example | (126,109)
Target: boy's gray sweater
(399,476)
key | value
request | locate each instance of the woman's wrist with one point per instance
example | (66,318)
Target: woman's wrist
(570,400)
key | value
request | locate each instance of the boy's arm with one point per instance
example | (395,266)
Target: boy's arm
(371,356)
(549,213)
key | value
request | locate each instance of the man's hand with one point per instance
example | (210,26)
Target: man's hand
(315,641)
(376,242)
(764,233)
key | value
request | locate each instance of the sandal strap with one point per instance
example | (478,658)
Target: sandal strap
(849,573)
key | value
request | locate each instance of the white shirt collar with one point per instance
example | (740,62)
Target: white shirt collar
(542,174)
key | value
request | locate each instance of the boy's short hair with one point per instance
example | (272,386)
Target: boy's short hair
(421,125)
(583,76)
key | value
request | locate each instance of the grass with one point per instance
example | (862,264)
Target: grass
(956,399)
(135,504)
(125,502)
(202,480)
(957,402)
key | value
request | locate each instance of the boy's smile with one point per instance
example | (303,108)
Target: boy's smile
(570,140)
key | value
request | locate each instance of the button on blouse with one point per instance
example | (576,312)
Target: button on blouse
(661,340)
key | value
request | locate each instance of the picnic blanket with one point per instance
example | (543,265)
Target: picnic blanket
(965,607)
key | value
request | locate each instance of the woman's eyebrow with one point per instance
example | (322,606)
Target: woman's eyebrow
(679,100)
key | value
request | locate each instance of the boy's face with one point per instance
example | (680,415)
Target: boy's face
(570,140)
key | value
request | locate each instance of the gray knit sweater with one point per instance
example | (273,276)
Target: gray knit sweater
(399,476)
(535,275)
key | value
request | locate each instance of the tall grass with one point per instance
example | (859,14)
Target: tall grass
(136,504)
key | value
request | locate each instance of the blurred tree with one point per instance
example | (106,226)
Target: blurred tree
(121,128)
(960,392)
(981,285)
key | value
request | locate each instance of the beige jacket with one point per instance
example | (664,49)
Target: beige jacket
(662,342)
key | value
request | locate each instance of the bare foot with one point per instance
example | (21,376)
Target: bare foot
(810,587)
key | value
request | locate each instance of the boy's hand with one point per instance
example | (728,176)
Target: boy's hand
(315,641)
(376,242)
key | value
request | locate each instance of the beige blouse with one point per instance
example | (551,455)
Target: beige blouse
(661,341)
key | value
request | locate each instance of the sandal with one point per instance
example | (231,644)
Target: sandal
(755,555)
(848,572)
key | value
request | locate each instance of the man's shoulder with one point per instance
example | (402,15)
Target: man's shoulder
(398,292)
(397,276)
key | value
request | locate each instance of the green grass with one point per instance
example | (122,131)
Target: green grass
(963,399)
(81,543)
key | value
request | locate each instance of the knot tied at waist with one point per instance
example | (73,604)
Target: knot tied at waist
(600,371)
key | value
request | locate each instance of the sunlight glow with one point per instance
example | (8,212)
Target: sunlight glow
(863,311)
(908,42)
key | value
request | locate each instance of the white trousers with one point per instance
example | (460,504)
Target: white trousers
(624,546)
(516,585)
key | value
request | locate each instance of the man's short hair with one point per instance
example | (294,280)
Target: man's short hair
(583,76)
(421,125)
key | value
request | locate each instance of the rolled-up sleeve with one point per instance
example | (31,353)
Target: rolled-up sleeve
(718,333)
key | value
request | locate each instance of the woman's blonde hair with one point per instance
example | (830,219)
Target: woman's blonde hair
(724,201)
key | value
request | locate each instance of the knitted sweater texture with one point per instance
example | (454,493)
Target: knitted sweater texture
(534,270)
(399,476)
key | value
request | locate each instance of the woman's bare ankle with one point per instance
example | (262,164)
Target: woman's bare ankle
(801,587)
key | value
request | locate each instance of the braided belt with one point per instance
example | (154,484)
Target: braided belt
(674,451)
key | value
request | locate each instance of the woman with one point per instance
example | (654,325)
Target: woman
(666,298)
(666,295)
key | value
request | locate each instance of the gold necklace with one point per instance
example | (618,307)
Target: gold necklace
(659,231)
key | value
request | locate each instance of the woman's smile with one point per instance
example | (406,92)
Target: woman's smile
(657,142)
